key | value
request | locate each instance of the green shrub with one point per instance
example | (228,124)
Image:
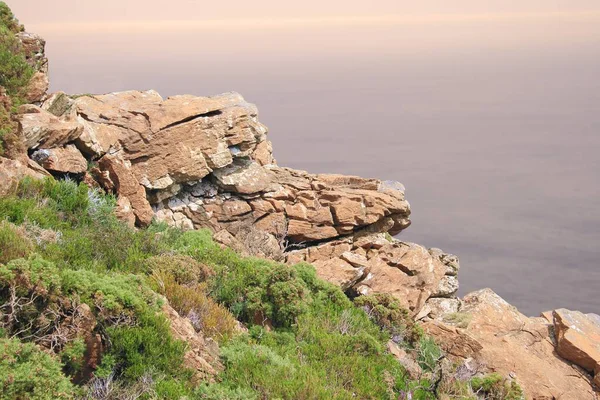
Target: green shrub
(72,356)
(8,20)
(15,72)
(13,243)
(184,269)
(146,347)
(386,311)
(26,372)
(113,295)
(429,353)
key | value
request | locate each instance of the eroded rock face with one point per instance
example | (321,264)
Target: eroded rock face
(372,263)
(503,340)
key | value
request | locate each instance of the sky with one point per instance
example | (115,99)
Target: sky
(487,111)
(109,11)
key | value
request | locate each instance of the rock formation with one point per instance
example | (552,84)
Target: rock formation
(206,162)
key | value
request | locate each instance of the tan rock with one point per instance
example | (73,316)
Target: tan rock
(62,159)
(356,260)
(244,177)
(124,211)
(37,87)
(304,231)
(406,360)
(126,185)
(226,239)
(405,270)
(275,224)
(578,339)
(12,171)
(40,129)
(452,340)
(338,272)
(177,140)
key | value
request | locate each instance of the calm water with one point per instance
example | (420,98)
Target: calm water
(492,125)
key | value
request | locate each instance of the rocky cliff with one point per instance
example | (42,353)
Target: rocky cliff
(206,162)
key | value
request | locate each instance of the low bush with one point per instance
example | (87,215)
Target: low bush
(191,301)
(387,312)
(26,372)
(145,347)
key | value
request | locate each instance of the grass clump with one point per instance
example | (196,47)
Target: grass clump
(182,280)
(496,387)
(459,319)
(13,243)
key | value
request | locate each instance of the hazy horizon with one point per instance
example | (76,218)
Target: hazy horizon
(487,112)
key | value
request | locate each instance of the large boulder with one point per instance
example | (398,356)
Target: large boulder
(67,160)
(578,339)
(40,129)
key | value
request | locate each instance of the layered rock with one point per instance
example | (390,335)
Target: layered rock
(367,263)
(204,162)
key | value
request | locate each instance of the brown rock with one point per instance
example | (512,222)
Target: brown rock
(356,260)
(40,129)
(452,340)
(12,171)
(37,87)
(578,339)
(405,270)
(338,272)
(408,362)
(127,186)
(124,211)
(304,231)
(62,159)
(243,177)
(178,140)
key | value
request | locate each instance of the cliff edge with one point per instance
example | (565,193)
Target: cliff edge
(206,162)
